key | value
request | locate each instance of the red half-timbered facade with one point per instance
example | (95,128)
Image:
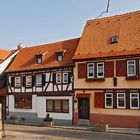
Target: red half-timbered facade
(107,72)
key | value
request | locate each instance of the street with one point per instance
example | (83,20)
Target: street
(22,132)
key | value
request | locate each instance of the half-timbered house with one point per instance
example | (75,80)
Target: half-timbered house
(107,72)
(40,81)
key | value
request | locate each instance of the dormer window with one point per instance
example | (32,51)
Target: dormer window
(38,59)
(114,39)
(60,55)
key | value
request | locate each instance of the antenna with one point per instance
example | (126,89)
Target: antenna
(105,10)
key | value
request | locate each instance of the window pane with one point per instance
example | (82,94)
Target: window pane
(39,79)
(28,80)
(109,100)
(131,69)
(66,106)
(134,102)
(121,102)
(23,102)
(90,70)
(58,78)
(57,106)
(65,77)
(49,105)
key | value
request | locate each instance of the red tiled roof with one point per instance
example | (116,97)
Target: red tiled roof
(96,38)
(25,59)
(4,54)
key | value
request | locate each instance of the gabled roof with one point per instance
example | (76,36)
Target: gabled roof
(25,59)
(4,54)
(96,38)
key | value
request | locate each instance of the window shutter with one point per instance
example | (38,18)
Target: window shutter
(54,77)
(69,77)
(109,69)
(23,81)
(99,100)
(33,80)
(121,68)
(127,100)
(82,70)
(43,79)
(12,81)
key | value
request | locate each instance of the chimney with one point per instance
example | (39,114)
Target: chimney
(20,46)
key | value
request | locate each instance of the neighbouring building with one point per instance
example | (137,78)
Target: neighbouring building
(6,57)
(107,72)
(40,81)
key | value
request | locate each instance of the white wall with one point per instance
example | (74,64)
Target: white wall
(42,108)
(13,109)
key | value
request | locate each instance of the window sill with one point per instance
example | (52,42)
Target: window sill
(95,79)
(131,78)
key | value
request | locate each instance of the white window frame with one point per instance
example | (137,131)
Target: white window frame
(98,70)
(111,101)
(27,84)
(134,67)
(37,82)
(88,70)
(17,84)
(123,107)
(131,107)
(64,77)
(57,79)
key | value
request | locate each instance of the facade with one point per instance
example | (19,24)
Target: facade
(40,81)
(107,72)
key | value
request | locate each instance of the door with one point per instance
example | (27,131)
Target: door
(83,108)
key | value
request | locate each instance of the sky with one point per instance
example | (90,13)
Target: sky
(35,22)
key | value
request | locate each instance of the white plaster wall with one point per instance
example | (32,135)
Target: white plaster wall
(42,108)
(13,109)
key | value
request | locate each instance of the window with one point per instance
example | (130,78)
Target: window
(57,105)
(90,70)
(66,106)
(23,102)
(17,81)
(38,79)
(120,100)
(59,57)
(100,70)
(131,68)
(28,80)
(65,77)
(108,100)
(38,59)
(114,39)
(58,78)
(134,100)
(49,105)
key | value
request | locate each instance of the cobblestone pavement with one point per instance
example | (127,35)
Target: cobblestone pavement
(22,132)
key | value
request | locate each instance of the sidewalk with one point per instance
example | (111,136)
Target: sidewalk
(130,131)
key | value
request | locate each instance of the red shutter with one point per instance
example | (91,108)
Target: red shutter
(121,68)
(82,70)
(99,100)
(109,69)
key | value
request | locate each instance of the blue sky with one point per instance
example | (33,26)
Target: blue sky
(35,22)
